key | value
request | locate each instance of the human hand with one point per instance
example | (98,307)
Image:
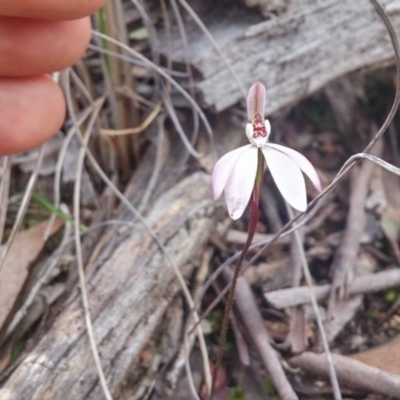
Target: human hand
(36,38)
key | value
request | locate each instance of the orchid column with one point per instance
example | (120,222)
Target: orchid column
(239,175)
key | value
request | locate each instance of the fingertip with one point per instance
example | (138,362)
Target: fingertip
(32,110)
(33,47)
(50,9)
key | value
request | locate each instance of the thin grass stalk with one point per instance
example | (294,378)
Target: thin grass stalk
(113,78)
(161,72)
(307,275)
(79,257)
(167,24)
(60,161)
(186,51)
(132,105)
(23,207)
(4,192)
(207,33)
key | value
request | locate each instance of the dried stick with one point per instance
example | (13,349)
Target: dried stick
(250,314)
(351,373)
(363,284)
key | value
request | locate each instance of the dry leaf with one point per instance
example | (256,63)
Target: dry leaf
(390,224)
(24,250)
(385,357)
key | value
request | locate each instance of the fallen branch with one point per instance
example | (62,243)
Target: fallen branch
(250,314)
(351,373)
(363,284)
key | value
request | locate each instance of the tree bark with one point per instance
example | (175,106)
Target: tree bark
(129,296)
(302,46)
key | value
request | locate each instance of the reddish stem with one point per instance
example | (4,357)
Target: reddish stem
(254,214)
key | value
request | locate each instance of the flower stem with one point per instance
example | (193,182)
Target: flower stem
(254,214)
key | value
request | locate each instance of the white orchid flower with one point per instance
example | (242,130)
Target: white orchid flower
(235,173)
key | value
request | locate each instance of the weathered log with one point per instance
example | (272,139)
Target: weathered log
(129,296)
(299,49)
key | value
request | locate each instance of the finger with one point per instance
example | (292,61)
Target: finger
(33,47)
(31,111)
(50,9)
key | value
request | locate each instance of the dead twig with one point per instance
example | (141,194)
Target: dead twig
(363,284)
(247,307)
(351,373)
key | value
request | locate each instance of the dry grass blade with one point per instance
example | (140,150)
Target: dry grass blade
(4,190)
(60,161)
(81,86)
(166,99)
(153,36)
(167,25)
(188,67)
(308,278)
(163,146)
(116,73)
(206,32)
(23,207)
(138,129)
(378,161)
(175,120)
(160,71)
(78,246)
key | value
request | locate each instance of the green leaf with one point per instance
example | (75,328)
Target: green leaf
(50,207)
(237,393)
(139,34)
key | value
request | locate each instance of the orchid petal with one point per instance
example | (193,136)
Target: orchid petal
(240,184)
(267,127)
(256,100)
(287,176)
(301,162)
(223,169)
